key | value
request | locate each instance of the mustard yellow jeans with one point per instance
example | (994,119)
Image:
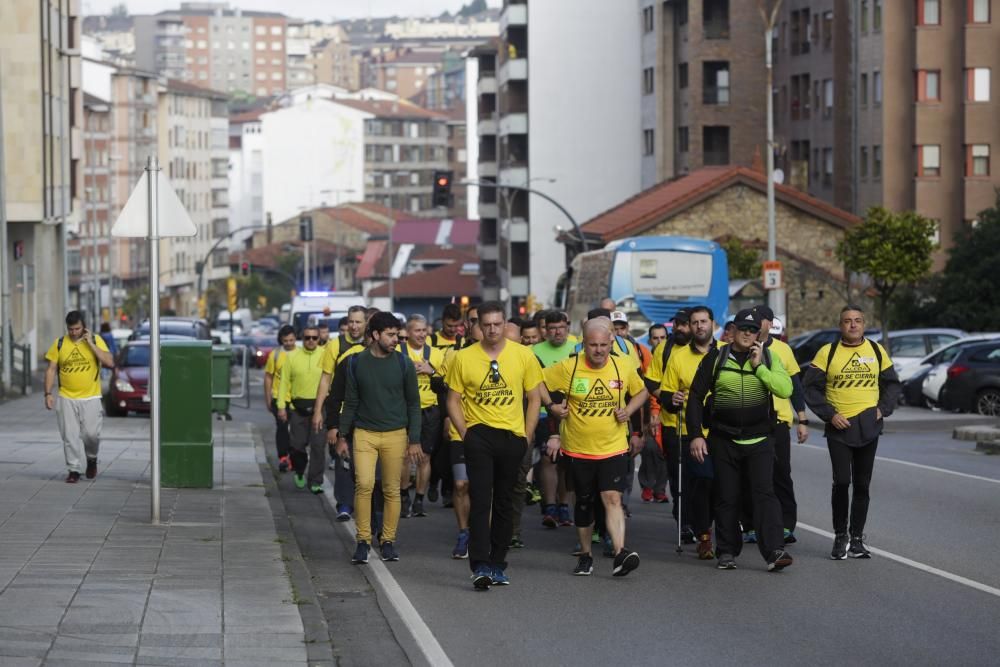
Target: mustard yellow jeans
(389,447)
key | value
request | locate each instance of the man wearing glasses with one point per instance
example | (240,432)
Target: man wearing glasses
(297,390)
(742,379)
(487,387)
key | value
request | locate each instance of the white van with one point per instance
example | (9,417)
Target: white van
(310,307)
(242,320)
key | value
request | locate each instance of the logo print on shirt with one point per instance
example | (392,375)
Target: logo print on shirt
(494,393)
(75,362)
(600,402)
(855,373)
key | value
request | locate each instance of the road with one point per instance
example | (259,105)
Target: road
(934,502)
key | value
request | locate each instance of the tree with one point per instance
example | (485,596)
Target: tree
(965,293)
(744,262)
(892,249)
(473,8)
(120,10)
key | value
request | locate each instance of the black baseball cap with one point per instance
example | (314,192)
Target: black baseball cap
(682,316)
(598,312)
(748,317)
(765,312)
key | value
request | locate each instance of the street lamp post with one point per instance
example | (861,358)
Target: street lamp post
(776,297)
(520,188)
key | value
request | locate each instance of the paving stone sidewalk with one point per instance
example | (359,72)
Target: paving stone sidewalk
(85,578)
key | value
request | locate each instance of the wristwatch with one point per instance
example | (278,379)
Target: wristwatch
(803,422)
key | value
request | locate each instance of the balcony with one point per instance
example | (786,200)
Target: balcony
(517,286)
(487,84)
(488,252)
(514,123)
(513,15)
(488,210)
(514,230)
(488,168)
(487,125)
(515,69)
(514,173)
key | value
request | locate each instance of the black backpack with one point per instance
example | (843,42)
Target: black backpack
(878,354)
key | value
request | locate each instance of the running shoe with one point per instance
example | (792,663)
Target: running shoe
(705,549)
(595,537)
(498,577)
(790,536)
(750,537)
(482,577)
(360,554)
(647,495)
(91,468)
(840,544)
(779,560)
(609,547)
(564,519)
(432,494)
(584,566)
(549,519)
(300,481)
(406,507)
(625,562)
(284,464)
(73,477)
(516,543)
(687,535)
(461,549)
(343,513)
(858,548)
(534,496)
(389,552)
(446,500)
(317,489)
(417,508)
(726,562)
(661,498)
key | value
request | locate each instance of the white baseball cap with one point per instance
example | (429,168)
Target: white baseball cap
(777,327)
(619,316)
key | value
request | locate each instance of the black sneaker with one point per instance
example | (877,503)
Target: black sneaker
(726,562)
(858,548)
(432,494)
(779,560)
(584,566)
(446,500)
(516,542)
(91,468)
(73,477)
(840,542)
(687,535)
(361,554)
(624,562)
(417,508)
(389,552)
(481,578)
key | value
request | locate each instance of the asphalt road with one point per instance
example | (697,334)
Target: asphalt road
(676,609)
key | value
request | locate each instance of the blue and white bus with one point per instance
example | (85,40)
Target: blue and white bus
(650,277)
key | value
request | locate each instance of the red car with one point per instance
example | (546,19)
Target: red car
(129,387)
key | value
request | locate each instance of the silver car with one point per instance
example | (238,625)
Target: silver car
(908,347)
(941,360)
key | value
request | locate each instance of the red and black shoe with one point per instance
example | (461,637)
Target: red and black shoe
(91,468)
(73,477)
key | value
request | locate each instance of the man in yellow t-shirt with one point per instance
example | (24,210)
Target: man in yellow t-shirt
(272,381)
(851,385)
(429,363)
(595,437)
(76,359)
(493,400)
(332,354)
(296,402)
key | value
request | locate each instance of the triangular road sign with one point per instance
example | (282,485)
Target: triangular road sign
(173,221)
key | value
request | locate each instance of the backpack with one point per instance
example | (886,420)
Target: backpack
(878,354)
(344,345)
(720,362)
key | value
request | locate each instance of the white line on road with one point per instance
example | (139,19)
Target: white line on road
(919,465)
(914,564)
(425,640)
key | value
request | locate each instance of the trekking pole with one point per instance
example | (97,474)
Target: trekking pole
(680,480)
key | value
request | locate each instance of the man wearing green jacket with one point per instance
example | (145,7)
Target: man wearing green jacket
(739,381)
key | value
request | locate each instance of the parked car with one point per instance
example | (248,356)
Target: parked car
(186,327)
(806,345)
(258,348)
(922,381)
(908,347)
(128,390)
(973,380)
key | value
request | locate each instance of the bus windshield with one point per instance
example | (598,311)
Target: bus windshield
(668,274)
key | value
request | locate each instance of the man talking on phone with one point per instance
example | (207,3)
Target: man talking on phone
(76,359)
(739,381)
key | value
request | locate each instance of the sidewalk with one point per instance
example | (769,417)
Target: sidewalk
(85,577)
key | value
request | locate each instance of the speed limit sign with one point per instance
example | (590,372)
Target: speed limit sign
(773,277)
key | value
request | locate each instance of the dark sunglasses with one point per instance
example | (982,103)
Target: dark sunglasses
(473,320)
(494,372)
(747,328)
(310,338)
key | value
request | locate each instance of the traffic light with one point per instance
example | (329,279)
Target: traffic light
(441,195)
(305,228)
(245,268)
(231,293)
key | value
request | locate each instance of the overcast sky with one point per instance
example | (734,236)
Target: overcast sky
(308,9)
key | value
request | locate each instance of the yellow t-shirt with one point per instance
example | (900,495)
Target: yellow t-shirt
(784,354)
(852,378)
(275,362)
(449,356)
(591,430)
(428,398)
(79,368)
(654,372)
(681,367)
(333,355)
(495,402)
(301,375)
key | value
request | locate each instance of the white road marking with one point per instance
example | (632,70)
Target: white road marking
(918,465)
(425,640)
(914,564)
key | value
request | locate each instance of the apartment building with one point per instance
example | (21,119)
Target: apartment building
(194,151)
(890,103)
(403,72)
(334,63)
(298,51)
(213,46)
(538,128)
(43,160)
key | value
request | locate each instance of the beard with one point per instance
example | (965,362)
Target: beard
(682,337)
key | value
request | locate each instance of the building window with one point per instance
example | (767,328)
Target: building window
(827,98)
(827,166)
(928,85)
(682,76)
(647,81)
(928,12)
(977,160)
(876,15)
(647,142)
(682,139)
(827,31)
(863,18)
(863,89)
(815,164)
(715,19)
(715,142)
(715,82)
(877,87)
(647,19)
(863,162)
(977,84)
(929,160)
(979,11)
(681,12)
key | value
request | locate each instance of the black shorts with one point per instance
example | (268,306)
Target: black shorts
(431,424)
(610,474)
(456,450)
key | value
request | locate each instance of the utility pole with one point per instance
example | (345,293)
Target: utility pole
(775,297)
(5,341)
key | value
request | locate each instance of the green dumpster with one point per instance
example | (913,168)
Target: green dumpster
(222,359)
(186,414)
